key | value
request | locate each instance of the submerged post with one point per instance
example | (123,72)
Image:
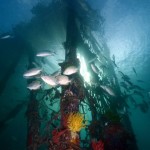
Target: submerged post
(71,120)
(33,123)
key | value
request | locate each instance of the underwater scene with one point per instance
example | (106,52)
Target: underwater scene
(75,75)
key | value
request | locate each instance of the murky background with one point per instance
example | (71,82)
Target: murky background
(126,31)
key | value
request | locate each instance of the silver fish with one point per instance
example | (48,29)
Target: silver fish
(32,72)
(92,60)
(44,54)
(7,37)
(108,90)
(70,70)
(50,80)
(94,68)
(134,71)
(63,80)
(35,85)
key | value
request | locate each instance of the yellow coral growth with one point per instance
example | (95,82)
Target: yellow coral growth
(75,122)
